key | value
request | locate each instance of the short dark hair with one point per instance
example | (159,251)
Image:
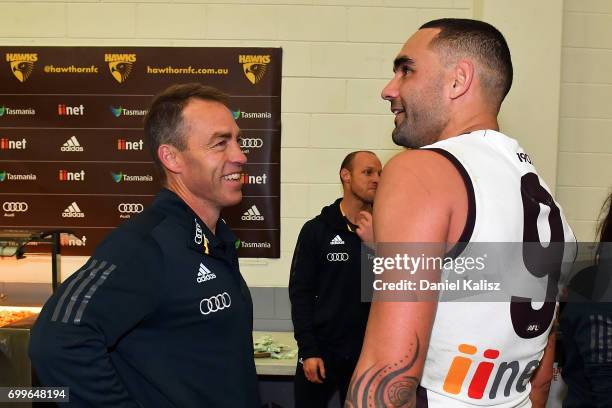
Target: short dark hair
(481,41)
(347,163)
(164,121)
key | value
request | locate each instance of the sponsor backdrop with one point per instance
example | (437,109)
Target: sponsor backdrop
(72,151)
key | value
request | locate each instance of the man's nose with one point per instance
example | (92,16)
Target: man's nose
(391,90)
(236,154)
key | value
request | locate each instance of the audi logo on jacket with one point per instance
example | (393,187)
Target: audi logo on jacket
(325,287)
(153,319)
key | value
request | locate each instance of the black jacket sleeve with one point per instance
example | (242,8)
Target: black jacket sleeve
(85,318)
(302,291)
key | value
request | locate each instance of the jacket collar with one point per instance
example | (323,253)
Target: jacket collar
(200,236)
(332,215)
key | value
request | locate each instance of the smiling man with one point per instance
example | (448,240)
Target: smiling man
(462,182)
(160,315)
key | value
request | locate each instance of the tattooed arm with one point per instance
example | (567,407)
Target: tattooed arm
(387,374)
(421,199)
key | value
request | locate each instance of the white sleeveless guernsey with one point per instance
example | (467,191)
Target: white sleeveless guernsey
(484,353)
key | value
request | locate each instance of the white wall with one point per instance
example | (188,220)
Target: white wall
(530,113)
(337,56)
(585,140)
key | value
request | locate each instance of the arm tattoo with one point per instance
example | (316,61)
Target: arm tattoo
(388,386)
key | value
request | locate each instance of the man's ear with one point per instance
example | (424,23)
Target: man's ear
(345,175)
(463,74)
(170,158)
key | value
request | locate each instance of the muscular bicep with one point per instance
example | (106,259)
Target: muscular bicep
(412,218)
(416,199)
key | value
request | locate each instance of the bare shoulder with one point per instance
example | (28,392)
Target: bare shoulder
(427,165)
(419,196)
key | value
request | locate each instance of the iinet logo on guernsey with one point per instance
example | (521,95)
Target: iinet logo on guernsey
(64,110)
(7,144)
(460,366)
(123,144)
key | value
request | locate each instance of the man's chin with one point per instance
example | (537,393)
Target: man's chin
(235,199)
(367,197)
(398,137)
(369,200)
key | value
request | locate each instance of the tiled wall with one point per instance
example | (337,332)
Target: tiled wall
(337,55)
(271,307)
(585,139)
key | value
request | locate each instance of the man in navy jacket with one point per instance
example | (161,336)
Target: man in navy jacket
(160,315)
(328,316)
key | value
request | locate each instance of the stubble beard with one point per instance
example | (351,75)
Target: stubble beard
(362,197)
(424,122)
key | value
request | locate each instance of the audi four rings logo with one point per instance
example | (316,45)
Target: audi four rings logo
(246,143)
(130,208)
(215,303)
(337,256)
(12,206)
(198,237)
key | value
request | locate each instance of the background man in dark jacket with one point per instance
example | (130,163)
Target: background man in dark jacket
(328,316)
(160,316)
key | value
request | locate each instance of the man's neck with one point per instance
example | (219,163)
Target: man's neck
(351,206)
(480,121)
(208,214)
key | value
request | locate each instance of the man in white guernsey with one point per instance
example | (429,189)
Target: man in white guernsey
(460,182)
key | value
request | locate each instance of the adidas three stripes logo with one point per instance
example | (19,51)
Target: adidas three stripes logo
(79,292)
